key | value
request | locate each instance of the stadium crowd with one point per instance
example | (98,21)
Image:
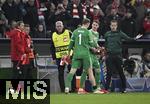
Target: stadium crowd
(41,15)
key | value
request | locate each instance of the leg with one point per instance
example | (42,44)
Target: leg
(30,69)
(121,73)
(87,68)
(110,67)
(83,78)
(96,67)
(70,77)
(91,77)
(15,75)
(75,65)
(97,77)
(73,83)
(61,77)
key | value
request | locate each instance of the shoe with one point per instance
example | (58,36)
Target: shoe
(12,91)
(105,91)
(124,91)
(82,91)
(97,91)
(67,90)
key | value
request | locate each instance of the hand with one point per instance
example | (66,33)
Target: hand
(93,50)
(68,59)
(102,51)
(23,56)
(138,36)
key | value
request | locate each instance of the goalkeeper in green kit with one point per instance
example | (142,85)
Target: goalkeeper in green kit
(95,51)
(80,44)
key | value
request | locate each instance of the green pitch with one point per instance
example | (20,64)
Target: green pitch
(111,98)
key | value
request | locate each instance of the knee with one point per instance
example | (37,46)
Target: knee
(85,72)
(72,71)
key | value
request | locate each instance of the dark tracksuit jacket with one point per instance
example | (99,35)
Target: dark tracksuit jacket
(113,45)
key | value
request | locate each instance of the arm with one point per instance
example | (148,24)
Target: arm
(71,45)
(9,32)
(19,43)
(124,36)
(52,49)
(70,33)
(91,42)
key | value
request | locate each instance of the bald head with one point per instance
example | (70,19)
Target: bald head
(59,26)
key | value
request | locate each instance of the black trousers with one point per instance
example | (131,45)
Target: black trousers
(15,74)
(24,72)
(61,76)
(114,64)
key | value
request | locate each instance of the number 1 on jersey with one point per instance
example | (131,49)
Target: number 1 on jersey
(80,39)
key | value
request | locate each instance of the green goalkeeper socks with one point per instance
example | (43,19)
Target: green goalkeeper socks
(68,80)
(83,78)
(97,78)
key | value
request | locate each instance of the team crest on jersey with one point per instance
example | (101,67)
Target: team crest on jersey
(65,39)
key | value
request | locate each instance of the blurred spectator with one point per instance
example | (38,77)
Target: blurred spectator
(147,5)
(76,11)
(48,16)
(146,26)
(118,6)
(20,9)
(65,4)
(41,8)
(131,8)
(56,2)
(97,13)
(141,10)
(10,10)
(40,31)
(3,22)
(146,62)
(31,16)
(62,15)
(128,25)
(103,4)
(71,12)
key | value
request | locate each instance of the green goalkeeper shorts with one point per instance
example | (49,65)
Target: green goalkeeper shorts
(84,61)
(95,62)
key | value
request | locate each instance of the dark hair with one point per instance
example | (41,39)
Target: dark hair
(85,21)
(96,21)
(114,21)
